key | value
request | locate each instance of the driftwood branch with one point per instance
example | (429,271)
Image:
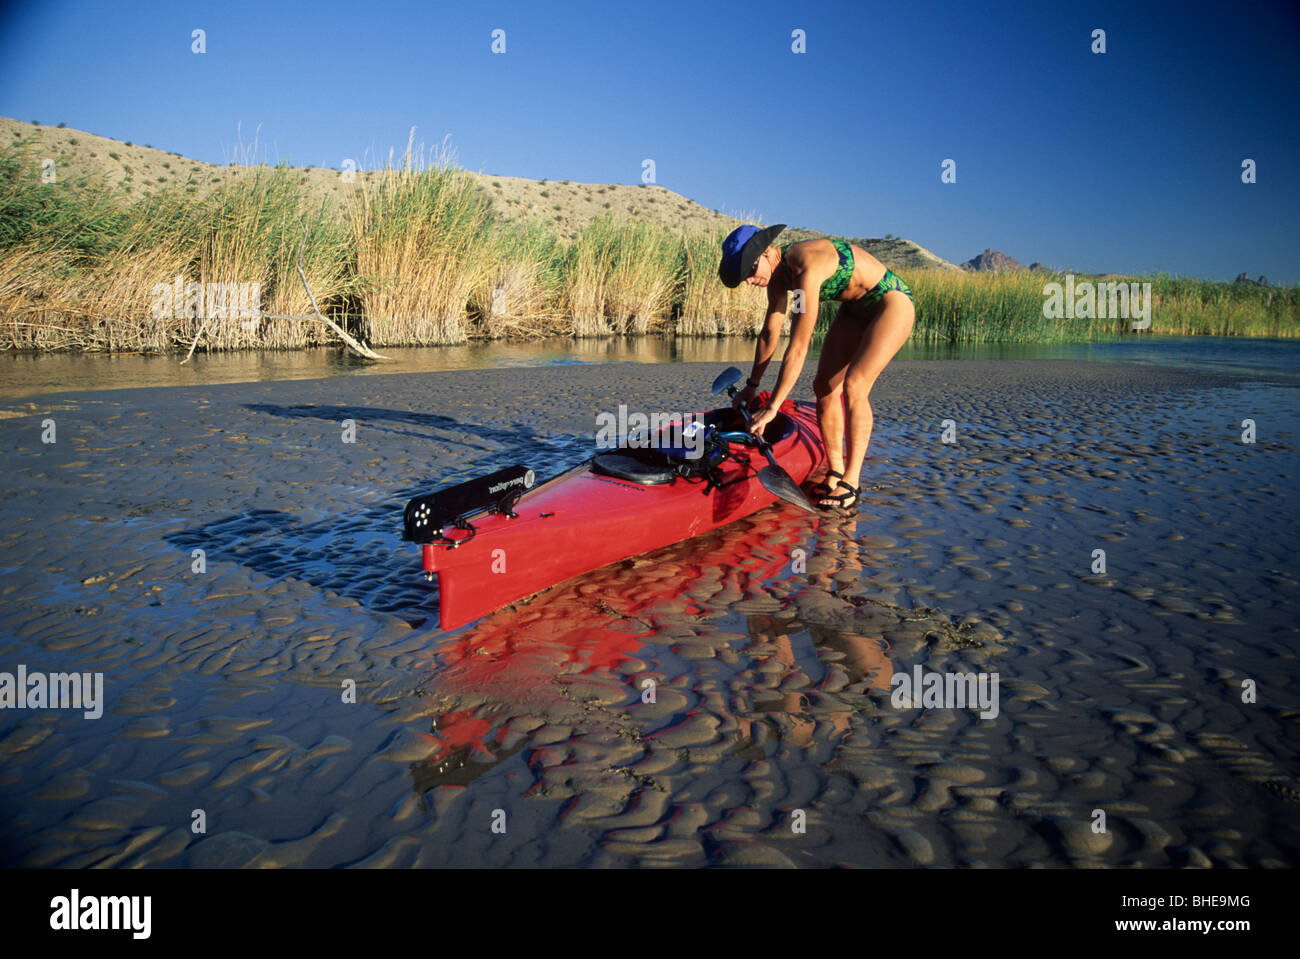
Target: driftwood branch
(357,347)
(202,326)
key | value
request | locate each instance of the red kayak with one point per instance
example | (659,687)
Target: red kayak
(587,628)
(497,539)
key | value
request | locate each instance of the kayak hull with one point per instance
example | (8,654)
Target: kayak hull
(581,521)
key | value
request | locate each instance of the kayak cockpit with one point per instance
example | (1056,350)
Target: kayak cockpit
(654,469)
(661,464)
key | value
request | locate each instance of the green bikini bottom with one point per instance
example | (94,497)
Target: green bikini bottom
(890,281)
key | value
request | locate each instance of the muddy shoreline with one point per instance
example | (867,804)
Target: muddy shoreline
(773,739)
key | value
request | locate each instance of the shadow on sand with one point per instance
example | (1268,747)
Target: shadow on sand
(359,554)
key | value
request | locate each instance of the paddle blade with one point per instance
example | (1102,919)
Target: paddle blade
(726,379)
(780,483)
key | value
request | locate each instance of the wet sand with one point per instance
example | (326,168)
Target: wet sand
(772,740)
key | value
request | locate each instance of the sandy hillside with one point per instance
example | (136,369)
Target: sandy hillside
(896,253)
(140,169)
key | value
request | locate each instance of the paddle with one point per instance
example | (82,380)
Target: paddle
(774,479)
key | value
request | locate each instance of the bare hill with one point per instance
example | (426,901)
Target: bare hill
(897,254)
(143,169)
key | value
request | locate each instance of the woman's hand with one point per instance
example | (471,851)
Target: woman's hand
(744,397)
(760,420)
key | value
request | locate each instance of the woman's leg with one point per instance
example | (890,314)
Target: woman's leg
(883,338)
(841,342)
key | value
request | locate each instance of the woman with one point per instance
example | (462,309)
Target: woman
(874,321)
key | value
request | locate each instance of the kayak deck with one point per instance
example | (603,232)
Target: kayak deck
(583,520)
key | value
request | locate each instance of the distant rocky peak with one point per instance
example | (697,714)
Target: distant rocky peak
(991,260)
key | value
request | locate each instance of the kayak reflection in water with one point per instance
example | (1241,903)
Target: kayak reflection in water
(874,321)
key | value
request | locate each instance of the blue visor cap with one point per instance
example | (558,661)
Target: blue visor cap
(741,250)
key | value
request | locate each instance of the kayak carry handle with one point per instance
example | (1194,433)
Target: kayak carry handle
(425,517)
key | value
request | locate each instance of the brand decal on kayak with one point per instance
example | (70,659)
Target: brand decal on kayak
(526,481)
(679,433)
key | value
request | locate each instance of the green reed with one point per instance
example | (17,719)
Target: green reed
(416,254)
(959,307)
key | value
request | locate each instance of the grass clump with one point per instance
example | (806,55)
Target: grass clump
(424,247)
(415,255)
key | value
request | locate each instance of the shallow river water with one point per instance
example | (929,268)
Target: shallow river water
(1157,694)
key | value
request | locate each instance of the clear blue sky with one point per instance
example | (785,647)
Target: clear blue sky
(1127,161)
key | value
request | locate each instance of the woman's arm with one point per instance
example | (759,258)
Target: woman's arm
(809,267)
(765,348)
(770,335)
(801,331)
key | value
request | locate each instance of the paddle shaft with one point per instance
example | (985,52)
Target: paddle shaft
(791,493)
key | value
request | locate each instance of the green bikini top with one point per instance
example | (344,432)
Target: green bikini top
(839,280)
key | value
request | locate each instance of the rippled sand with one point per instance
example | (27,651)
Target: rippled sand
(772,738)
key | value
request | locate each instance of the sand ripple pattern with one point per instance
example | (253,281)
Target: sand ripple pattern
(771,740)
